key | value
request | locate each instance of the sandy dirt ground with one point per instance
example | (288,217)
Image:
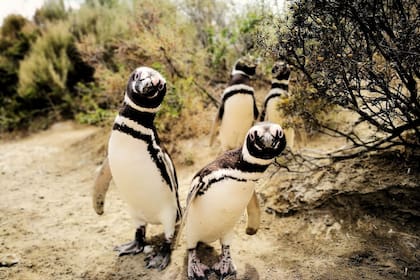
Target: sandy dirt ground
(357,221)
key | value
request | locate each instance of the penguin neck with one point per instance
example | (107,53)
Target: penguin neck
(141,117)
(239,78)
(252,164)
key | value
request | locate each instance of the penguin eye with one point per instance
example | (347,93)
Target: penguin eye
(161,86)
(252,137)
(136,76)
(279,133)
(257,141)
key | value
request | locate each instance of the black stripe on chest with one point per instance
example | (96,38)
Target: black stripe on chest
(280,86)
(205,187)
(232,162)
(144,118)
(155,154)
(270,96)
(233,92)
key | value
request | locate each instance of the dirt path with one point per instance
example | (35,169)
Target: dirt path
(48,229)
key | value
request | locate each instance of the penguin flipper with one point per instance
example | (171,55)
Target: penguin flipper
(170,170)
(192,194)
(256,112)
(216,123)
(101,186)
(262,115)
(253,211)
(213,131)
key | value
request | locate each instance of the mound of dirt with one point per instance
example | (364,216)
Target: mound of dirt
(375,199)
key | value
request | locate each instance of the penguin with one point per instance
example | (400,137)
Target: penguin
(278,95)
(142,170)
(221,191)
(237,111)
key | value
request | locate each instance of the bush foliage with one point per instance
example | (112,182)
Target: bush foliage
(359,55)
(50,73)
(74,64)
(363,56)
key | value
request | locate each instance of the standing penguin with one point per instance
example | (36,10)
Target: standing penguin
(277,97)
(220,193)
(237,110)
(142,171)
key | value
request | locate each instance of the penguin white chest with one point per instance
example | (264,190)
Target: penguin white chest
(275,114)
(273,111)
(138,178)
(238,117)
(216,212)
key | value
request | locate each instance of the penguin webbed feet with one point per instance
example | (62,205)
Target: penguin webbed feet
(131,248)
(196,270)
(225,268)
(134,247)
(161,259)
(224,271)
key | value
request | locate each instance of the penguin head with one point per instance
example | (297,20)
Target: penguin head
(263,142)
(280,70)
(246,65)
(146,86)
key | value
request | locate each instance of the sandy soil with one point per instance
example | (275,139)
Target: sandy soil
(357,220)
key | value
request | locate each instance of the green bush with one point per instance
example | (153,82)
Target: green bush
(52,10)
(193,46)
(17,35)
(93,108)
(49,74)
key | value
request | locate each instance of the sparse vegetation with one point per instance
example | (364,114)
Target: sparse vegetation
(49,74)
(363,58)
(17,35)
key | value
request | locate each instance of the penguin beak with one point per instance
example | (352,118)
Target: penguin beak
(267,140)
(149,86)
(150,89)
(270,144)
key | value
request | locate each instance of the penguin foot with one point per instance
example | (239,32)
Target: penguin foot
(225,268)
(131,248)
(134,247)
(161,259)
(196,270)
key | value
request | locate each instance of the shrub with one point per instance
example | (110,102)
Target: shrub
(17,35)
(363,56)
(49,75)
(51,10)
